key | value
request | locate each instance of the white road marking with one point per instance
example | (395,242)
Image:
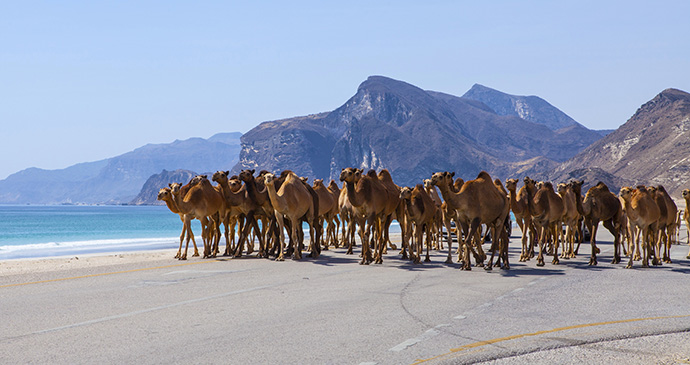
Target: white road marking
(432,332)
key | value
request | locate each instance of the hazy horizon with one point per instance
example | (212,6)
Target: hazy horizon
(88,81)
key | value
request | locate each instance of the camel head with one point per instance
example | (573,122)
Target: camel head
(625,193)
(175,187)
(348,174)
(686,194)
(406,193)
(562,187)
(576,186)
(427,183)
(318,182)
(235,184)
(511,184)
(220,176)
(197,179)
(164,194)
(247,175)
(269,179)
(442,178)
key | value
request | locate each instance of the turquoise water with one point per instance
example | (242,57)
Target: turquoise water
(40,231)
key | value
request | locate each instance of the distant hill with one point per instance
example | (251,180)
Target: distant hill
(652,147)
(413,133)
(118,179)
(149,192)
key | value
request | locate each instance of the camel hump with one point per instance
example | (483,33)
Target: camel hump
(484,175)
(385,175)
(372,174)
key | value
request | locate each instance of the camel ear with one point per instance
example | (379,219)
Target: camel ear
(452,174)
(252,171)
(227,172)
(169,185)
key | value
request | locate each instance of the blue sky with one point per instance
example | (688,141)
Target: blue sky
(83,81)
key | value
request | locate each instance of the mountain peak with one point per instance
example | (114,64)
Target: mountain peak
(531,108)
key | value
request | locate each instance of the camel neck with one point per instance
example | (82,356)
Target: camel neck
(172,206)
(352,194)
(277,201)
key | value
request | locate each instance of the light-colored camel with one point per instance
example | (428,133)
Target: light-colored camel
(671,223)
(442,219)
(571,219)
(294,201)
(519,203)
(166,196)
(421,211)
(478,202)
(547,211)
(686,215)
(601,205)
(643,214)
(200,200)
(327,204)
(371,198)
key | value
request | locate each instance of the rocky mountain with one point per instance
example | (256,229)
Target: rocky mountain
(118,179)
(149,192)
(652,147)
(413,133)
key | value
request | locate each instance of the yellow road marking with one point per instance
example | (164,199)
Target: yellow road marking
(107,273)
(514,337)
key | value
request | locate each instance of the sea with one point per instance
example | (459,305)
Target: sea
(34,231)
(30,231)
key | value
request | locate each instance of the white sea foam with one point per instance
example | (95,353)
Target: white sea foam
(82,247)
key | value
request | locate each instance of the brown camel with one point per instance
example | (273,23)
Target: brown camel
(294,201)
(478,202)
(601,205)
(421,210)
(327,204)
(200,200)
(349,214)
(519,203)
(671,221)
(686,215)
(263,210)
(240,206)
(547,211)
(371,198)
(393,205)
(332,216)
(165,194)
(442,218)
(571,219)
(643,214)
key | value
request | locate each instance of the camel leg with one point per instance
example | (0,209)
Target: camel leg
(428,242)
(466,265)
(524,255)
(542,238)
(593,242)
(616,241)
(449,260)
(494,240)
(364,235)
(557,231)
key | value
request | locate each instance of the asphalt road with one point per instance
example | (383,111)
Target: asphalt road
(333,310)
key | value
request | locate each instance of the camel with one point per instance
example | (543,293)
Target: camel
(671,223)
(643,214)
(519,203)
(393,206)
(421,210)
(327,204)
(239,204)
(686,215)
(370,196)
(547,211)
(199,199)
(571,218)
(478,202)
(332,216)
(442,218)
(294,201)
(601,205)
(165,194)
(349,214)
(263,209)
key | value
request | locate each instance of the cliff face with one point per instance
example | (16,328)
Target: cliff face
(652,147)
(149,192)
(413,133)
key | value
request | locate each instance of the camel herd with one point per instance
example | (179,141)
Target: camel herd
(643,220)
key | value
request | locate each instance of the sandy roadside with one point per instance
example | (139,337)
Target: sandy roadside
(46,264)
